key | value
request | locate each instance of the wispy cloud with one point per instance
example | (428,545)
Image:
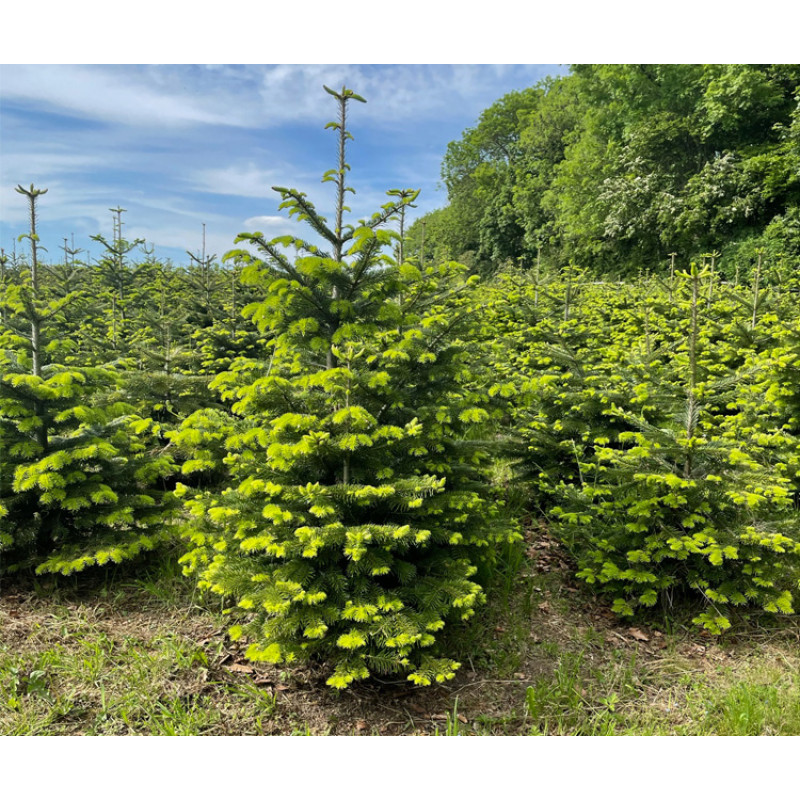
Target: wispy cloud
(269,223)
(132,96)
(241,180)
(254,96)
(183,145)
(401,94)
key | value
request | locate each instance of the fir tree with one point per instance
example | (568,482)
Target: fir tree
(79,471)
(693,500)
(357,509)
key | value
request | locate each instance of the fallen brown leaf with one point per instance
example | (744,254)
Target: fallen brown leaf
(639,635)
(236,667)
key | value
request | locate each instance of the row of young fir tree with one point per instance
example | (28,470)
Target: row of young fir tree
(321,424)
(335,483)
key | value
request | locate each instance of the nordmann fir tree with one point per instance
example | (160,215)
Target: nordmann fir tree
(357,508)
(79,472)
(118,281)
(690,501)
(159,371)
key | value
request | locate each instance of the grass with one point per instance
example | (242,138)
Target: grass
(94,683)
(144,656)
(755,694)
(132,662)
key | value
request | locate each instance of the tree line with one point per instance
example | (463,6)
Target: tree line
(614,167)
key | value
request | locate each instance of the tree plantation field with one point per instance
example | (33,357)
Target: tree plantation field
(344,484)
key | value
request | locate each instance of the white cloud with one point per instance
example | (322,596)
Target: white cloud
(256,96)
(55,205)
(143,137)
(266,223)
(46,170)
(112,94)
(240,180)
(40,163)
(182,238)
(396,95)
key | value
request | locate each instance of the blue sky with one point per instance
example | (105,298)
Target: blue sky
(182,145)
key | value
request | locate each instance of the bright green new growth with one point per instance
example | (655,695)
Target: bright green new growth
(80,472)
(357,510)
(659,440)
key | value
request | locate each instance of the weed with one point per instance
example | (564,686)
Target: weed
(453,724)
